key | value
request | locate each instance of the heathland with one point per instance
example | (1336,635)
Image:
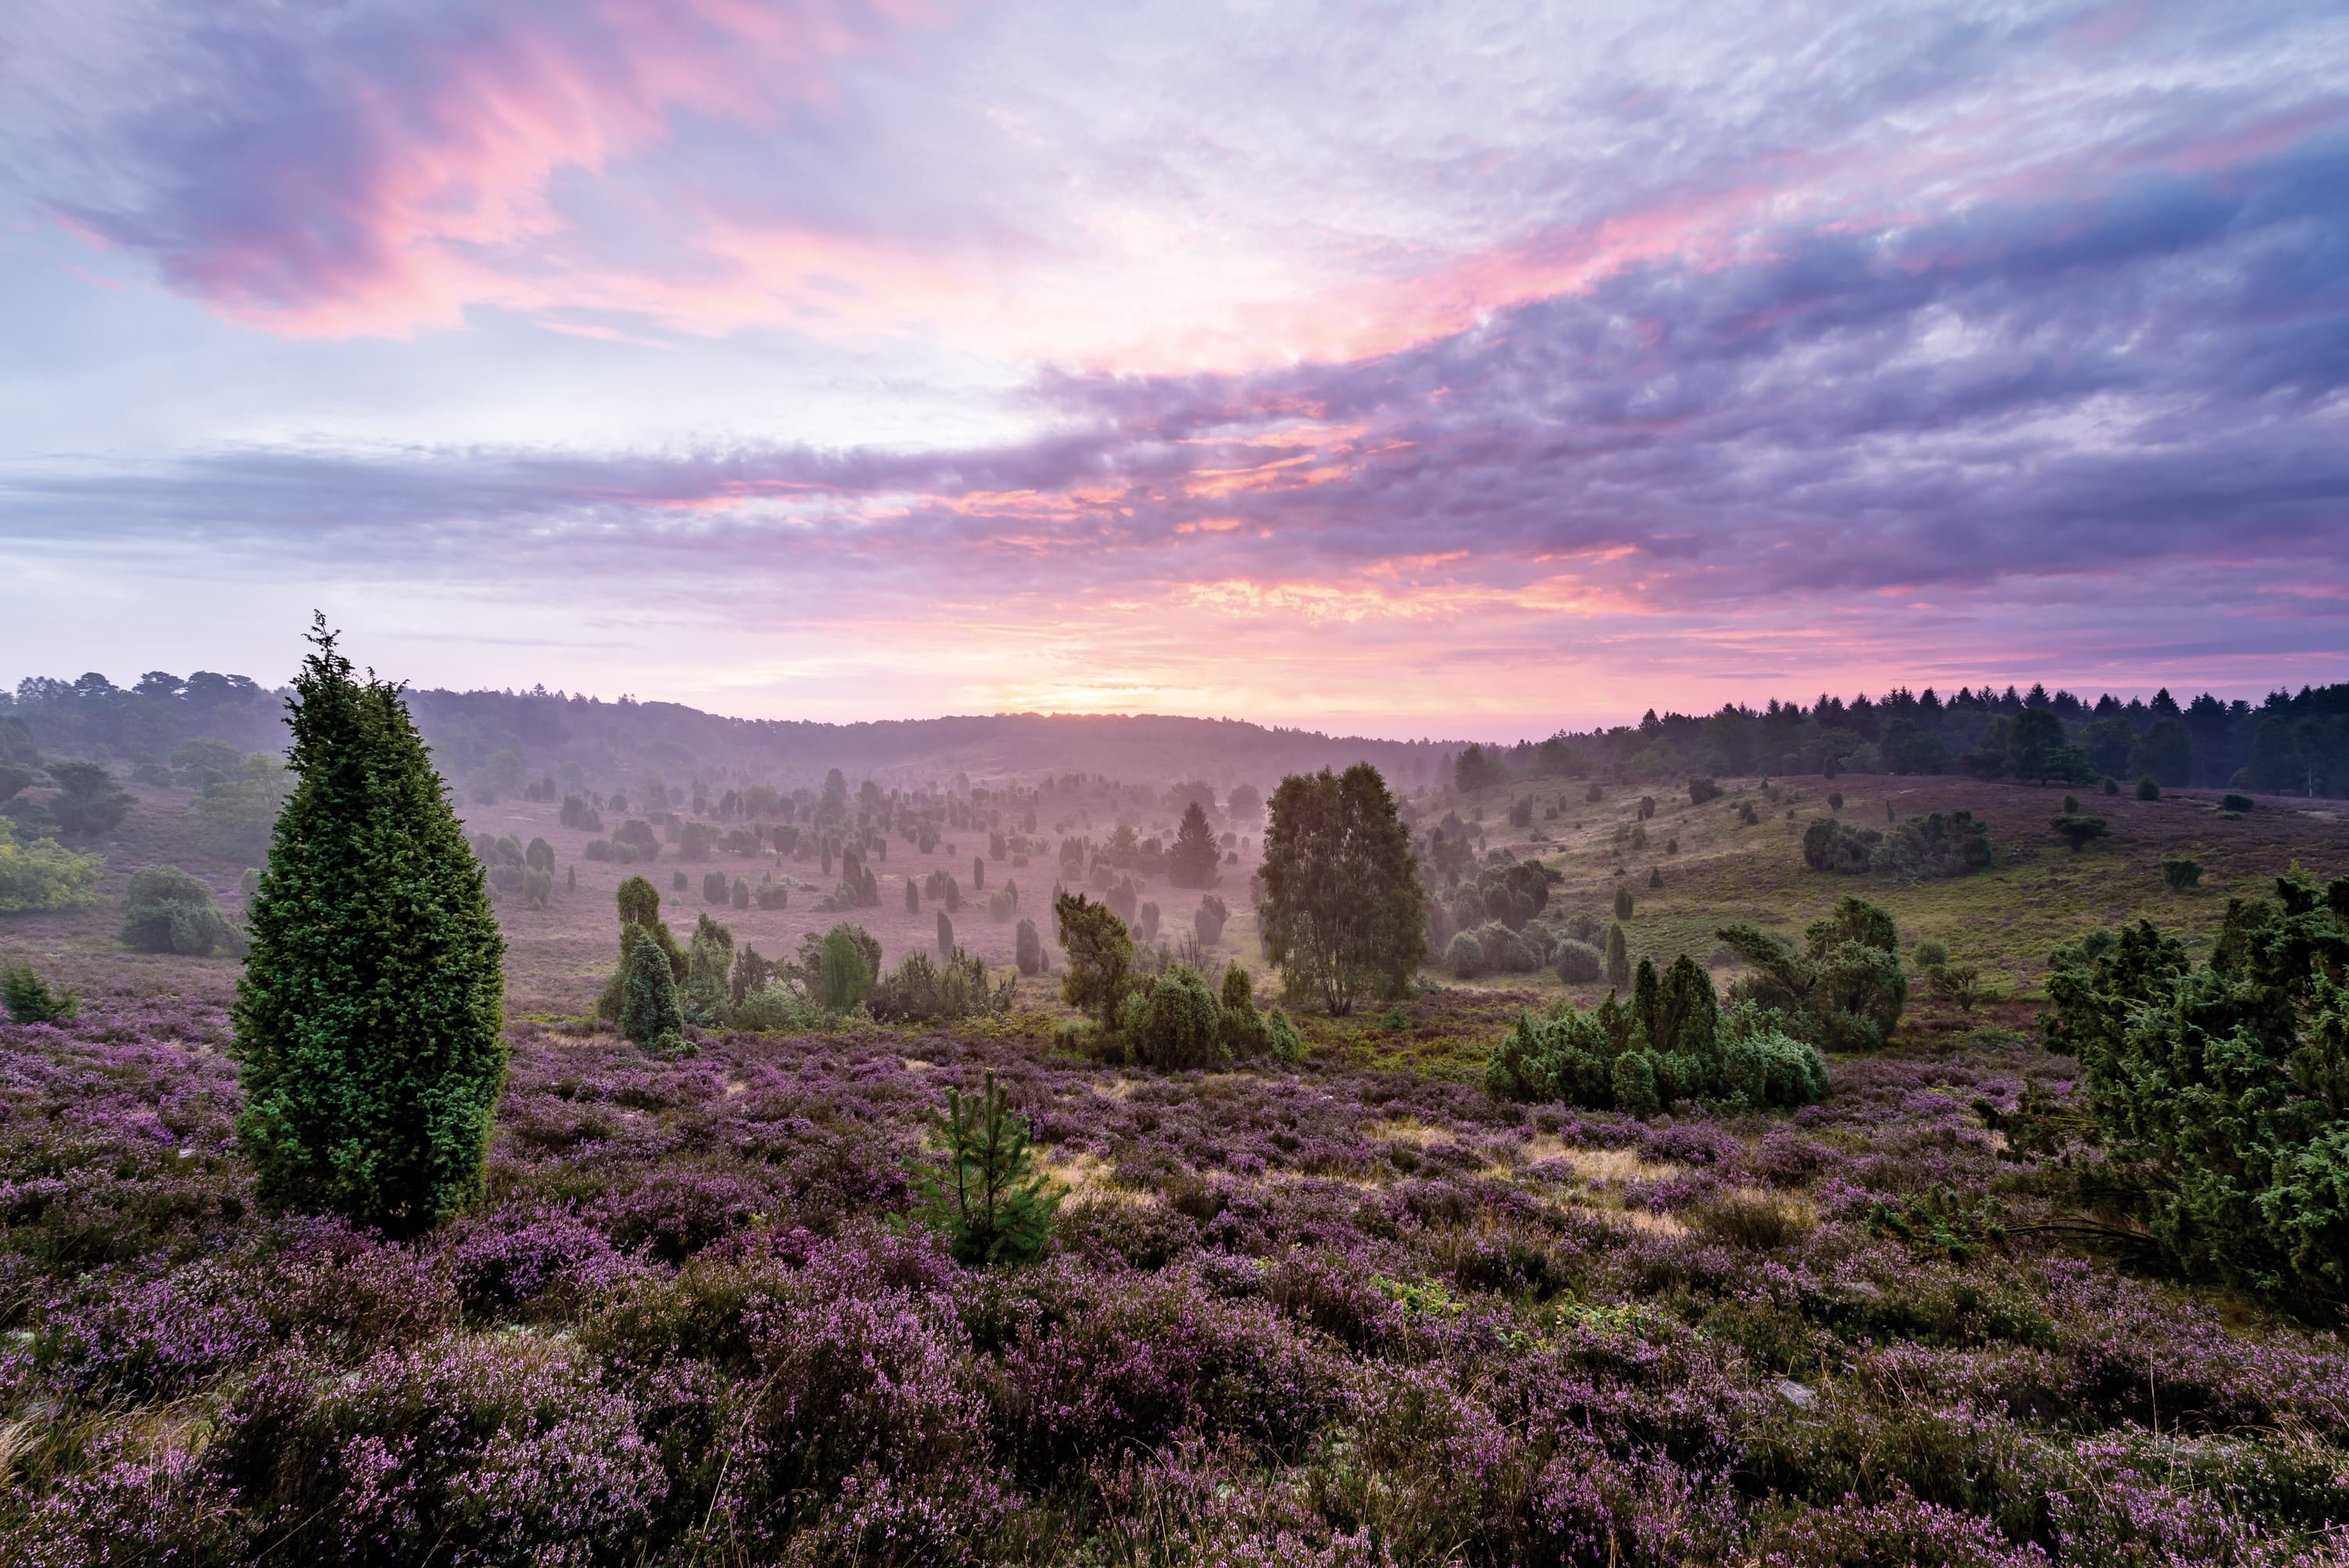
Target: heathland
(1339,1303)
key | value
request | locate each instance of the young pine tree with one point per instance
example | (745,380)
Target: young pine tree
(367,1017)
(992,1203)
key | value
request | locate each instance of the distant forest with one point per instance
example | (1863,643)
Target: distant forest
(494,742)
(2288,744)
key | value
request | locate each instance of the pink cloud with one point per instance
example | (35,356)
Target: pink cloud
(414,171)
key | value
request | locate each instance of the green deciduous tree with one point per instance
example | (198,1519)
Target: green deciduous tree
(1342,912)
(238,811)
(166,910)
(42,875)
(88,802)
(369,1014)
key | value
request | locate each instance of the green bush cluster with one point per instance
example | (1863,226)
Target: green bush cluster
(924,990)
(2222,1089)
(1578,962)
(41,874)
(1844,990)
(1922,848)
(167,910)
(1670,1042)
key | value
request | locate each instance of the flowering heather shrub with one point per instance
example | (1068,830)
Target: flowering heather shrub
(493,1448)
(1314,1312)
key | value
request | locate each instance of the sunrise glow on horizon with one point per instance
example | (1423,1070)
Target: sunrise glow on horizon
(1462,371)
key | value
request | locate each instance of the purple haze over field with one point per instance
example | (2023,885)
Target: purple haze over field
(1416,368)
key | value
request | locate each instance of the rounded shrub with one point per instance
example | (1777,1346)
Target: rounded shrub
(1465,956)
(1182,1026)
(166,910)
(1580,964)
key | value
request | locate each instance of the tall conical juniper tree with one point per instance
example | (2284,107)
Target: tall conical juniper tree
(367,1017)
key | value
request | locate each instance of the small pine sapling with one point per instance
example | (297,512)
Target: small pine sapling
(29,999)
(990,1199)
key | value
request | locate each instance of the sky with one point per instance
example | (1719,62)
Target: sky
(1465,370)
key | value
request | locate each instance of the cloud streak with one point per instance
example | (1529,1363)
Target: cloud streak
(1558,364)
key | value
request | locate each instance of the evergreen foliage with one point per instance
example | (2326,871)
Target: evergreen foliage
(1027,948)
(1342,912)
(1578,962)
(1208,920)
(1465,956)
(2078,831)
(648,1013)
(846,960)
(1101,955)
(706,998)
(1844,991)
(639,905)
(1245,1034)
(925,991)
(1183,1025)
(369,1013)
(1922,848)
(1194,857)
(27,998)
(990,1199)
(1281,1037)
(1619,958)
(2222,1091)
(1670,1043)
